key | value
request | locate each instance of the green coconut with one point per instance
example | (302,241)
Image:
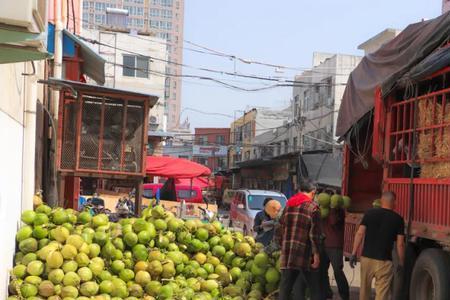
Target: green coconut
(346,201)
(56,276)
(89,288)
(376,203)
(24,233)
(46,288)
(324,199)
(28,245)
(335,201)
(28,217)
(324,212)
(54,259)
(45,209)
(35,268)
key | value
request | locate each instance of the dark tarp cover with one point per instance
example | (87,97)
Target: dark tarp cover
(324,168)
(433,63)
(387,65)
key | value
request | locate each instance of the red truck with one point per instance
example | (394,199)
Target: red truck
(395,120)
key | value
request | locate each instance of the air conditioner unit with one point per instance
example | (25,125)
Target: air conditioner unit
(30,14)
(153,120)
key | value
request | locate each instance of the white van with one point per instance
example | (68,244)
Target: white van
(245,204)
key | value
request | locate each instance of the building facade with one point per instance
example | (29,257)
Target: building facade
(317,99)
(131,71)
(375,42)
(445,6)
(211,147)
(254,122)
(161,18)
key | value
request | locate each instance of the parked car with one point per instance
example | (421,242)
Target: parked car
(245,204)
(184,192)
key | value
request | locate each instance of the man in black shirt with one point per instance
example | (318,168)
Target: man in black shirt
(380,228)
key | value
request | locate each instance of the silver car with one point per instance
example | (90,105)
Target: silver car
(245,204)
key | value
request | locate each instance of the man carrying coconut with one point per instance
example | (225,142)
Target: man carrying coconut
(333,229)
(299,236)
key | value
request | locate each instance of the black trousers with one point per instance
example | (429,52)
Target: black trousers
(334,256)
(294,285)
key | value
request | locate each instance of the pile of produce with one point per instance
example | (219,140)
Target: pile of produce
(326,202)
(63,254)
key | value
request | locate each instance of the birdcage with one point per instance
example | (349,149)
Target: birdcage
(102,132)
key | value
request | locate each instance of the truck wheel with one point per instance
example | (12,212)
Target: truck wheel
(431,276)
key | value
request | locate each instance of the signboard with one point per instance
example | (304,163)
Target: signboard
(209,151)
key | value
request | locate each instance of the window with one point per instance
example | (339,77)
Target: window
(148,193)
(164,35)
(85,17)
(154,24)
(140,11)
(138,23)
(203,140)
(85,4)
(155,2)
(135,66)
(98,18)
(166,3)
(100,6)
(221,162)
(154,12)
(220,139)
(165,13)
(202,161)
(139,1)
(186,194)
(247,155)
(142,67)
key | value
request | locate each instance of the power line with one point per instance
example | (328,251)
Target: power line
(248,76)
(213,52)
(206,113)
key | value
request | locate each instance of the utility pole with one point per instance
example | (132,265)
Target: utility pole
(54,187)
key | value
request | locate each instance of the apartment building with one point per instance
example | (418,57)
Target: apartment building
(317,98)
(161,18)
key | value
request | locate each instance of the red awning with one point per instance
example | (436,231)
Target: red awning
(172,167)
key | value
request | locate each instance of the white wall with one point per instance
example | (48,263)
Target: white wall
(17,154)
(336,67)
(146,45)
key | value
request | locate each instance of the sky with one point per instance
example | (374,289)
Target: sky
(279,32)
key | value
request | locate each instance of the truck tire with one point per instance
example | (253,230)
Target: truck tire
(431,276)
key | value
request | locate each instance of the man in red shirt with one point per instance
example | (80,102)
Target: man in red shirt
(299,236)
(333,230)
